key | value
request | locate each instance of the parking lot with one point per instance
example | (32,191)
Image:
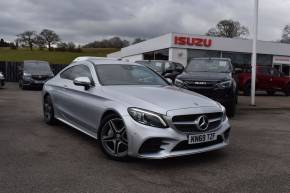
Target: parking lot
(35,157)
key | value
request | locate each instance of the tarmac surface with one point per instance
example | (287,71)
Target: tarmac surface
(37,158)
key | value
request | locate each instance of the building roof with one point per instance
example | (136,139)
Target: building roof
(217,43)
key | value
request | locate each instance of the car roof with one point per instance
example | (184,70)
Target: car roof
(103,60)
(85,58)
(100,62)
(34,61)
(211,58)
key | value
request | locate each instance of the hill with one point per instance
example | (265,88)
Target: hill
(53,57)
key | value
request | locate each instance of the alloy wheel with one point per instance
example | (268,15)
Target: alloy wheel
(47,109)
(114,138)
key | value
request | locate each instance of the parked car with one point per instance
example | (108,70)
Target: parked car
(268,79)
(133,111)
(2,79)
(34,73)
(212,77)
(167,69)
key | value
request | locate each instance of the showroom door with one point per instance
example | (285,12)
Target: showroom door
(282,63)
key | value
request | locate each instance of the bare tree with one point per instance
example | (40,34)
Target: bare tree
(286,34)
(138,40)
(40,42)
(50,37)
(27,38)
(229,29)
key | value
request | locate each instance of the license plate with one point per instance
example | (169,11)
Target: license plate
(201,138)
(38,82)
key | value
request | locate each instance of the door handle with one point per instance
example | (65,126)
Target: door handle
(65,86)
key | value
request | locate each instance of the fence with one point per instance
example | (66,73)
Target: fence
(11,70)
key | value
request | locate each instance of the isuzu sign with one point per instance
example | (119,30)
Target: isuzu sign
(192,41)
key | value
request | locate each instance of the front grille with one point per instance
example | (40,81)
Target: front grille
(193,117)
(40,77)
(185,146)
(185,123)
(198,84)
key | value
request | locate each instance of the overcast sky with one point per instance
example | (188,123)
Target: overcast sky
(88,20)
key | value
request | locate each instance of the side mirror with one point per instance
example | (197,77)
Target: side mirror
(168,71)
(179,69)
(83,81)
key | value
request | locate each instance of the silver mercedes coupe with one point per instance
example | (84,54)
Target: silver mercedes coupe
(133,111)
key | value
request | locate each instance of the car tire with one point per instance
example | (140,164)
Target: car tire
(247,89)
(21,85)
(113,138)
(270,92)
(48,111)
(287,90)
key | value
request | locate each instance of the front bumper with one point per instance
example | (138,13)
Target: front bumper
(159,143)
(33,83)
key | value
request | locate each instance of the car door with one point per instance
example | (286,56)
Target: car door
(263,79)
(79,105)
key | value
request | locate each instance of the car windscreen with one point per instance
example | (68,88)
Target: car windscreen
(123,74)
(36,67)
(155,65)
(208,65)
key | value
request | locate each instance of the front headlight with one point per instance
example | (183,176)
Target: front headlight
(224,113)
(178,83)
(225,84)
(26,75)
(147,118)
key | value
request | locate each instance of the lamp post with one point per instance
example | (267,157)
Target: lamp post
(254,53)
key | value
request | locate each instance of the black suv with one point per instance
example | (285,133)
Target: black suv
(34,73)
(165,68)
(212,77)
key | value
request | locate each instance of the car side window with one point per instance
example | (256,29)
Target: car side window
(265,71)
(274,72)
(67,74)
(157,66)
(76,71)
(169,65)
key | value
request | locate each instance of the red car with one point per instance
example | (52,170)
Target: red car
(268,79)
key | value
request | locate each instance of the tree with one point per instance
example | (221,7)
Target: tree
(27,38)
(50,37)
(229,29)
(40,42)
(3,43)
(286,34)
(138,40)
(115,42)
(71,46)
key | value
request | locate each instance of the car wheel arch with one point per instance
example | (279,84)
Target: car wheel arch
(105,114)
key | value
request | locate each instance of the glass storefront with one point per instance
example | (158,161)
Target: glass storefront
(157,55)
(238,59)
(202,54)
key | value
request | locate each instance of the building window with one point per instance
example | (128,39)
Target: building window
(157,55)
(238,59)
(161,54)
(264,59)
(202,54)
(148,56)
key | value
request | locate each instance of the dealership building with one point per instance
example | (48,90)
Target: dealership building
(183,47)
